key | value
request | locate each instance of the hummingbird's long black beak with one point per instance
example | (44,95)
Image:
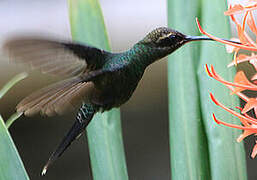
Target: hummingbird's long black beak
(197,38)
(203,38)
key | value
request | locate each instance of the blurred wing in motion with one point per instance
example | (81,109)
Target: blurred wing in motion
(59,98)
(57,58)
(53,57)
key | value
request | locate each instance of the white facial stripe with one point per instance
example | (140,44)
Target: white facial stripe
(166,36)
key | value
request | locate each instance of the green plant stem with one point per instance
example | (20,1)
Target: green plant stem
(12,82)
(12,119)
(227,157)
(188,143)
(104,132)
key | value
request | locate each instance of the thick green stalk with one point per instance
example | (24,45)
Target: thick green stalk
(227,157)
(104,132)
(188,144)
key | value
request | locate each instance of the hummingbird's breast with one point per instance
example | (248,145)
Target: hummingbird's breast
(117,87)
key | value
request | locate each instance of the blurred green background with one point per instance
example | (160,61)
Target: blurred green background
(144,117)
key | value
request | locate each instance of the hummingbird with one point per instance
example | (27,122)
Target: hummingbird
(96,80)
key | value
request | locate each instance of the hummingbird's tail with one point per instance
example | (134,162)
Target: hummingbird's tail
(84,116)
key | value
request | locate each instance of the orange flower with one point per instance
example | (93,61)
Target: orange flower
(246,42)
(241,82)
(252,59)
(249,124)
(245,58)
(243,45)
(239,8)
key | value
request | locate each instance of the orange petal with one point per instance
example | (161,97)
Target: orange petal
(240,58)
(235,56)
(253,61)
(232,125)
(235,9)
(231,111)
(251,7)
(240,78)
(249,120)
(244,135)
(252,103)
(251,24)
(244,122)
(254,152)
(241,46)
(244,20)
(254,78)
(254,81)
(214,75)
(241,34)
(239,8)
(229,48)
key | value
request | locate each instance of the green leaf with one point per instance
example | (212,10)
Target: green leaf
(188,143)
(227,157)
(104,132)
(11,166)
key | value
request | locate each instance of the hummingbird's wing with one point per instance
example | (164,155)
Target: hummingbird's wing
(66,95)
(59,98)
(54,57)
(57,58)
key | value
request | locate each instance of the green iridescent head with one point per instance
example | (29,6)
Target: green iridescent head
(164,38)
(167,38)
(163,41)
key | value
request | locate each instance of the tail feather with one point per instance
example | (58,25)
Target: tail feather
(85,114)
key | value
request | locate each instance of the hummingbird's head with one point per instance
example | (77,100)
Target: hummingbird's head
(164,38)
(163,41)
